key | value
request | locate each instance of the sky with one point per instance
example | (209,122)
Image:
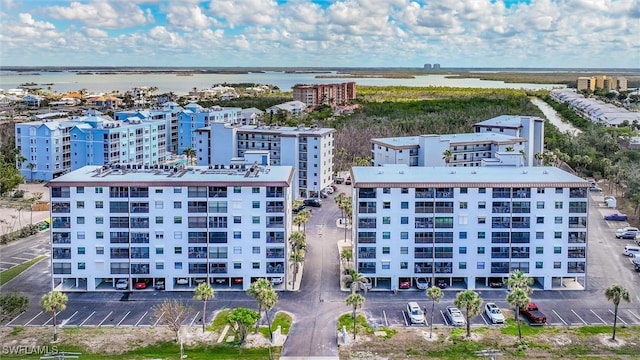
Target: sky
(321,33)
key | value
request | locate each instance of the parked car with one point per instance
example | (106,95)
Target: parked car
(329,190)
(159,285)
(312,202)
(535,316)
(122,284)
(494,313)
(404,284)
(416,315)
(296,210)
(277,280)
(595,189)
(495,283)
(141,284)
(334,187)
(628,232)
(182,281)
(348,181)
(422,283)
(616,217)
(323,195)
(442,284)
(455,316)
(339,180)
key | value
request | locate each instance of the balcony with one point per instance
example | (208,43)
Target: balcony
(577,237)
(425,193)
(61,223)
(275,253)
(577,193)
(367,193)
(58,207)
(275,208)
(62,253)
(140,268)
(367,209)
(277,238)
(61,238)
(218,268)
(275,268)
(367,254)
(367,223)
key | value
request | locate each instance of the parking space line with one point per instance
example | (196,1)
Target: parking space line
(594,313)
(142,317)
(124,317)
(483,319)
(87,318)
(578,316)
(194,318)
(14,319)
(384,315)
(444,318)
(64,321)
(559,317)
(51,318)
(105,318)
(33,318)
(159,318)
(21,258)
(10,263)
(618,316)
(634,314)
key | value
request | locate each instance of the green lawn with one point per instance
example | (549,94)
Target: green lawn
(283,320)
(220,321)
(9,274)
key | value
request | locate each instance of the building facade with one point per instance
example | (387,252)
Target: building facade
(530,128)
(308,149)
(195,117)
(172,225)
(467,227)
(325,94)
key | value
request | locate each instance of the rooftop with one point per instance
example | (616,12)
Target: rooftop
(402,174)
(510,121)
(453,138)
(164,175)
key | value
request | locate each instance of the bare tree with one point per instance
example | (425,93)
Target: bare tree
(171,313)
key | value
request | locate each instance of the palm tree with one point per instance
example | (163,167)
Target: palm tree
(190,153)
(302,218)
(355,281)
(509,149)
(31,166)
(262,291)
(297,258)
(203,292)
(344,204)
(298,240)
(518,279)
(20,160)
(471,302)
(435,294)
(446,156)
(615,294)
(518,298)
(355,301)
(53,302)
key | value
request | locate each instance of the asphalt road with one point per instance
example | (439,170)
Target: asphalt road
(319,302)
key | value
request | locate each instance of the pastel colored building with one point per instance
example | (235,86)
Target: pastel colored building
(194,116)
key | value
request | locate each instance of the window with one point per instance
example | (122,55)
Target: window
(482,220)
(177,265)
(80,190)
(463,190)
(404,235)
(404,265)
(557,235)
(539,250)
(386,235)
(177,219)
(159,220)
(540,220)
(237,189)
(386,190)
(159,265)
(540,191)
(540,205)
(159,191)
(558,205)
(482,190)
(237,219)
(463,205)
(557,265)
(177,190)
(558,220)
(255,205)
(386,220)
(81,266)
(237,234)
(99,235)
(159,204)
(255,219)
(159,251)
(557,249)
(99,250)
(255,235)
(480,249)
(404,250)
(538,264)
(386,265)
(480,265)
(255,190)
(255,265)
(462,249)
(404,205)
(80,204)
(99,220)
(404,220)
(462,265)
(177,250)
(81,250)
(481,235)
(539,235)
(99,204)
(462,235)
(404,191)
(237,250)
(386,205)
(80,235)
(99,190)
(80,220)
(482,205)
(177,205)
(255,250)
(237,265)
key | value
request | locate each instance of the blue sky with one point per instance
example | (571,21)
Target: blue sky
(315,33)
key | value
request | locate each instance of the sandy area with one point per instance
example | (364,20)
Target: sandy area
(11,218)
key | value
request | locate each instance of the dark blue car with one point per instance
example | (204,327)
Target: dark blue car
(616,217)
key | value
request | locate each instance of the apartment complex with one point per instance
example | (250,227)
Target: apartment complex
(595,110)
(604,82)
(54,147)
(325,94)
(167,113)
(225,225)
(506,140)
(308,149)
(468,226)
(195,117)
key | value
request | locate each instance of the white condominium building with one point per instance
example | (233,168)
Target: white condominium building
(468,227)
(176,226)
(308,149)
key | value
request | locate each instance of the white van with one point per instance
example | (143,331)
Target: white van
(630,250)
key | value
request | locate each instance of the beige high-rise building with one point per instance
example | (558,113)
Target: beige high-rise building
(586,83)
(602,82)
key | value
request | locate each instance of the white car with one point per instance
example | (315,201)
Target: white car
(494,313)
(416,315)
(329,190)
(182,281)
(277,280)
(422,283)
(455,316)
(122,284)
(626,230)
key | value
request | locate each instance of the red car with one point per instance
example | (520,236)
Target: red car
(142,284)
(405,284)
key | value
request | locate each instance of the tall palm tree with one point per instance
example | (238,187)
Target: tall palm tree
(471,302)
(355,301)
(53,302)
(355,281)
(190,153)
(31,166)
(447,155)
(203,292)
(518,298)
(615,294)
(297,258)
(518,279)
(298,240)
(262,291)
(303,217)
(435,294)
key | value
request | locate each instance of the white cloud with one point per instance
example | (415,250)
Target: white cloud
(247,12)
(104,14)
